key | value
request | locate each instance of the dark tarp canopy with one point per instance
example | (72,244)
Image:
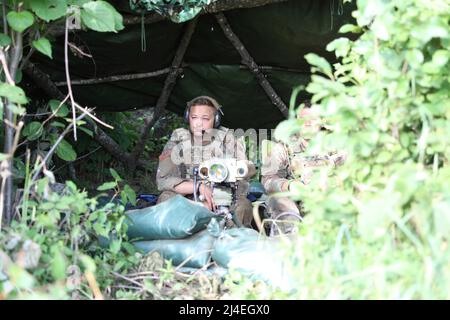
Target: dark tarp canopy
(277,36)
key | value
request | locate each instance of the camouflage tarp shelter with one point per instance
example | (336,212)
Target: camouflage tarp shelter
(128,69)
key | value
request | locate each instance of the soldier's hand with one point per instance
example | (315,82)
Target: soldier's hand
(206,192)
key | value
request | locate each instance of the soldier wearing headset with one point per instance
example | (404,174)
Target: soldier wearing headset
(187,148)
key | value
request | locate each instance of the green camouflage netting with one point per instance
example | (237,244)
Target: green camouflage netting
(176,10)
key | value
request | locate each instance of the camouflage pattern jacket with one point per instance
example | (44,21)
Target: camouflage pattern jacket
(180,155)
(281,163)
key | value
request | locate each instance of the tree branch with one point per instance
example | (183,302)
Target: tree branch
(115,78)
(169,84)
(251,64)
(147,75)
(218,6)
(7,183)
(43,81)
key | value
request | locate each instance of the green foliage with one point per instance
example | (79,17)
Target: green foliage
(378,227)
(33,130)
(43,46)
(101,16)
(5,40)
(20,21)
(60,110)
(13,93)
(177,10)
(65,151)
(54,244)
(49,10)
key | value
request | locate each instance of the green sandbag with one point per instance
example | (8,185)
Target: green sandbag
(253,255)
(195,250)
(175,218)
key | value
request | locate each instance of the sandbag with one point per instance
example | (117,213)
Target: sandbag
(195,250)
(253,255)
(175,218)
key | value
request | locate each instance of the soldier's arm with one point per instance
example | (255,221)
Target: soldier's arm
(274,159)
(168,176)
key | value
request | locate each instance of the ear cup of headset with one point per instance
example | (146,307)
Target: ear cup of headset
(186,114)
(217,119)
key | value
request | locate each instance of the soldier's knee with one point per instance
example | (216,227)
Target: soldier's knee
(244,211)
(278,205)
(165,195)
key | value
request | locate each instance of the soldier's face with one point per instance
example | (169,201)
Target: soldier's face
(201,118)
(311,123)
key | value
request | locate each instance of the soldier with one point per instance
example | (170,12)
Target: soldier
(283,164)
(187,148)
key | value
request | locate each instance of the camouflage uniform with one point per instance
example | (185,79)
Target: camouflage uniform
(221,144)
(275,171)
(282,163)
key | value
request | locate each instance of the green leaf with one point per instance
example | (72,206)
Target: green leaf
(286,129)
(62,111)
(17,109)
(107,186)
(49,10)
(320,63)
(58,264)
(88,262)
(19,21)
(87,131)
(414,57)
(101,16)
(340,46)
(433,28)
(43,46)
(65,151)
(440,58)
(57,124)
(123,197)
(114,246)
(20,278)
(131,195)
(18,77)
(350,28)
(33,130)
(5,40)
(13,93)
(115,174)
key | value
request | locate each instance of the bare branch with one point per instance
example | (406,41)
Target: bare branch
(169,84)
(5,22)
(5,68)
(69,86)
(81,52)
(250,62)
(14,59)
(123,77)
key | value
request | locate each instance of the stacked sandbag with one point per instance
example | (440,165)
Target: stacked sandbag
(193,251)
(174,229)
(253,255)
(176,218)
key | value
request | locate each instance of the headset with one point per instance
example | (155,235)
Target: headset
(217,115)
